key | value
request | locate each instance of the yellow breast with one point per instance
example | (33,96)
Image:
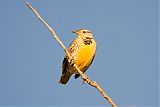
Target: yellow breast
(84,55)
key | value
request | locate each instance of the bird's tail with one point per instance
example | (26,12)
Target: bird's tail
(65,77)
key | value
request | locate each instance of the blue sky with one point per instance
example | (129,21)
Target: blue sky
(126,62)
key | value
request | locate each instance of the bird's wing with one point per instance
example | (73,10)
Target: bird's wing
(65,74)
(72,50)
(73,47)
(64,65)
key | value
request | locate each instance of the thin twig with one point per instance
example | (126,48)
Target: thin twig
(84,77)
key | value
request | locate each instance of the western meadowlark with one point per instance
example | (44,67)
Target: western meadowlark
(82,51)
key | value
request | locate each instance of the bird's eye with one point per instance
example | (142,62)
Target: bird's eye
(84,31)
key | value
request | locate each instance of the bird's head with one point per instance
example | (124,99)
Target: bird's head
(84,33)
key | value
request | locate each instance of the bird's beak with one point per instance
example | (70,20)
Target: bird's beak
(74,31)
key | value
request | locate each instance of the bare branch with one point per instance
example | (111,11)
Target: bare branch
(84,77)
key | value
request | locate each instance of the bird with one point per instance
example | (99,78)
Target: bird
(82,51)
